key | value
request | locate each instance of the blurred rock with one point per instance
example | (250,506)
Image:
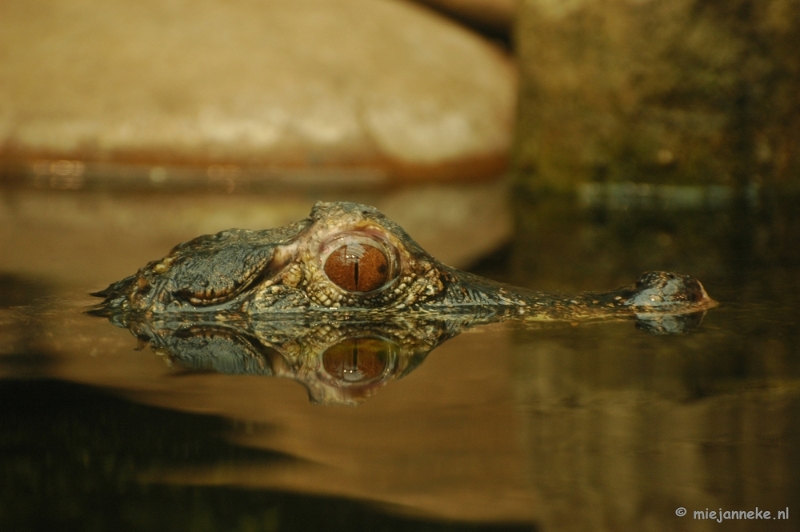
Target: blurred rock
(257,86)
(688,91)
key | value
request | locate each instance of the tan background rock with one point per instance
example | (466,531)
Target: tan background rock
(306,83)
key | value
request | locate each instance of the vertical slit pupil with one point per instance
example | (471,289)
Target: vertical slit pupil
(357,267)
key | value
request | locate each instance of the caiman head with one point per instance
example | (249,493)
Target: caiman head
(347,258)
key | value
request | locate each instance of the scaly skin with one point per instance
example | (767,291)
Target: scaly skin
(292,270)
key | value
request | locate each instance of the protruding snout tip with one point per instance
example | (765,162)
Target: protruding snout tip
(705,300)
(672,292)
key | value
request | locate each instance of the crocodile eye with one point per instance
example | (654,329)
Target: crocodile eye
(358,264)
(358,360)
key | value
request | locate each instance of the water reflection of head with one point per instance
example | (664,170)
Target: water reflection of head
(337,362)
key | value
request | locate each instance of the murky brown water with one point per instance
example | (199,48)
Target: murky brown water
(591,427)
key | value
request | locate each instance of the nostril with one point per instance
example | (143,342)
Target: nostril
(695,291)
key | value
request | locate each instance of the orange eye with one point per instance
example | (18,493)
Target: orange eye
(357,267)
(356,360)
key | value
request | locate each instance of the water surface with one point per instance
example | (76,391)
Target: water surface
(594,426)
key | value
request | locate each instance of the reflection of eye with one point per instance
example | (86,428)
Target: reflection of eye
(358,360)
(358,264)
